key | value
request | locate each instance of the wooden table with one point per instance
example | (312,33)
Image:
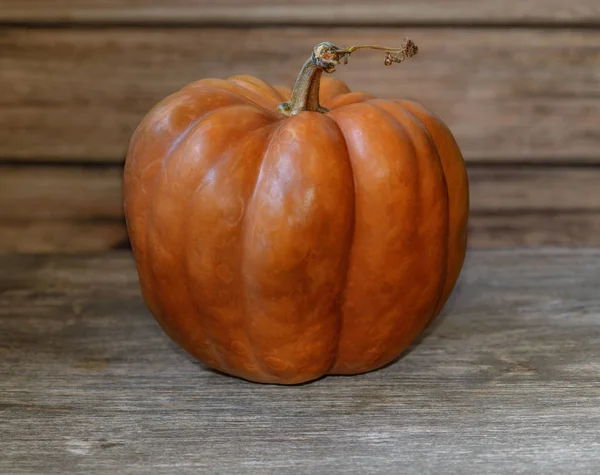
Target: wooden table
(506,381)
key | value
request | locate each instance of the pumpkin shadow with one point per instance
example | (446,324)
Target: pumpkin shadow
(259,383)
(433,325)
(430,329)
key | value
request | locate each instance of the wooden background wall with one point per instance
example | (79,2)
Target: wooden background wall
(517,81)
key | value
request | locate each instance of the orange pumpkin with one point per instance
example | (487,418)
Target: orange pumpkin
(281,242)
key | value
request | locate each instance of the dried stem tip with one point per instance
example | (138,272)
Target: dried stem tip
(325,57)
(409,49)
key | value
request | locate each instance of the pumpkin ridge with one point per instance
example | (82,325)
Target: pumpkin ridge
(295,259)
(376,103)
(152,203)
(239,92)
(229,150)
(244,231)
(402,329)
(342,296)
(417,120)
(355,97)
(343,362)
(284,91)
(243,79)
(452,163)
(136,164)
(165,162)
(330,88)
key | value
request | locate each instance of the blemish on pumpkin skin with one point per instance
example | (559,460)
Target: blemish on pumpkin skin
(224,273)
(238,211)
(276,364)
(287,135)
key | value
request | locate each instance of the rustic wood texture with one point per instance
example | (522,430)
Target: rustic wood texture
(55,192)
(505,382)
(79,208)
(533,228)
(74,192)
(62,235)
(526,95)
(486,230)
(61,209)
(331,12)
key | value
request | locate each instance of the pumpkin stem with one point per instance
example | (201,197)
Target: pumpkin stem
(325,57)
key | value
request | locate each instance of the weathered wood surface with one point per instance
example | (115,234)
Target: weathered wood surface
(487,230)
(497,230)
(532,229)
(79,208)
(55,192)
(61,209)
(517,95)
(82,235)
(330,12)
(506,381)
(72,192)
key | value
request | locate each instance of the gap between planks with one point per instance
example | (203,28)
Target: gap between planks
(309,12)
(505,94)
(79,208)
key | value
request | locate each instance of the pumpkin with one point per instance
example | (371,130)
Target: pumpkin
(282,241)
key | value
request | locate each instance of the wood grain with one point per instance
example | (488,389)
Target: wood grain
(62,235)
(61,209)
(518,95)
(82,192)
(534,229)
(309,12)
(487,230)
(530,188)
(505,382)
(55,192)
(78,208)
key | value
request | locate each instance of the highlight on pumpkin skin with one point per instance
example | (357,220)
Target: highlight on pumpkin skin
(326,57)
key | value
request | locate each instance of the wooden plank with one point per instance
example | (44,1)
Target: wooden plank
(77,208)
(534,229)
(55,192)
(61,209)
(505,382)
(308,12)
(517,229)
(493,230)
(519,95)
(62,235)
(81,192)
(531,188)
